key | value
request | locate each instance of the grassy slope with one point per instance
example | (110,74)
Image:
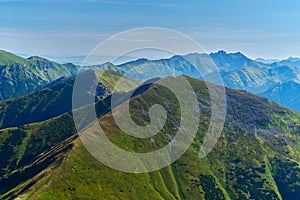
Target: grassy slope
(8,58)
(52,101)
(20,76)
(253,158)
(19,146)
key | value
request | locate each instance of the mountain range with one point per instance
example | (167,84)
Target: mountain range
(235,69)
(256,157)
(20,76)
(53,100)
(274,81)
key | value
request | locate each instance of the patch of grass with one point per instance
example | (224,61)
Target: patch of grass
(251,160)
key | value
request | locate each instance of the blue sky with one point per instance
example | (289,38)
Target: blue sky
(258,28)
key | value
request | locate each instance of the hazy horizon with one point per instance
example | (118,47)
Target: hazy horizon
(78,59)
(266,29)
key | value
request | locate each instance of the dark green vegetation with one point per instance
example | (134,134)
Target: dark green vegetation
(277,81)
(256,157)
(55,99)
(19,76)
(23,146)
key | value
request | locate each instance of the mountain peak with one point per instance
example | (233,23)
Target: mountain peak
(136,62)
(107,64)
(293,59)
(6,53)
(38,58)
(239,54)
(177,57)
(224,53)
(7,58)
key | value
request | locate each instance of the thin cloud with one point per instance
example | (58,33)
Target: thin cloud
(140,3)
(7,32)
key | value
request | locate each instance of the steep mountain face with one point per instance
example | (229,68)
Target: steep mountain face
(143,68)
(192,64)
(236,70)
(285,93)
(55,99)
(233,61)
(19,76)
(256,157)
(258,80)
(21,146)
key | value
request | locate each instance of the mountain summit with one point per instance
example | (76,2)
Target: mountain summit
(236,70)
(20,76)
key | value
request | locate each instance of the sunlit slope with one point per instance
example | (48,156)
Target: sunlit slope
(256,157)
(20,76)
(56,98)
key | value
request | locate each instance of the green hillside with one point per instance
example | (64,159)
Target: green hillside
(54,99)
(20,76)
(256,157)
